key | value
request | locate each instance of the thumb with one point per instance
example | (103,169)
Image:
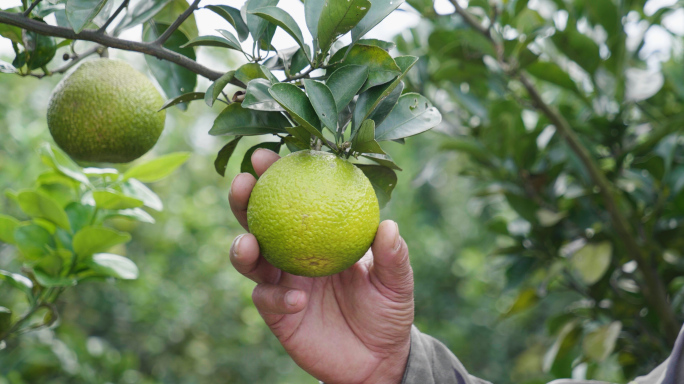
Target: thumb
(391,264)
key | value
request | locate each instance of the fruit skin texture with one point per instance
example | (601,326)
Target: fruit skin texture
(105,111)
(313,214)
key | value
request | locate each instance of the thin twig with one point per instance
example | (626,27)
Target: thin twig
(471,20)
(183,16)
(123,5)
(113,42)
(30,8)
(69,65)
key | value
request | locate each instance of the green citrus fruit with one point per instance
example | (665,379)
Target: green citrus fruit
(105,111)
(313,214)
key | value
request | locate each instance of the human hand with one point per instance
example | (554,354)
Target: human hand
(352,327)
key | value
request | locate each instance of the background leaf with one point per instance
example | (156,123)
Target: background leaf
(113,265)
(592,261)
(383,180)
(37,204)
(90,240)
(157,169)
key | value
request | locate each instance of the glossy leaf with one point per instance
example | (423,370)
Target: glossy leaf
(137,214)
(80,215)
(384,160)
(385,45)
(81,12)
(113,199)
(169,14)
(224,155)
(174,79)
(346,82)
(364,141)
(592,261)
(257,26)
(251,71)
(184,98)
(38,204)
(59,161)
(141,13)
(215,89)
(90,240)
(295,101)
(383,180)
(157,169)
(258,98)
(41,50)
(18,281)
(49,281)
(247,166)
(7,226)
(6,67)
(312,13)
(282,19)
(600,343)
(213,41)
(337,18)
(381,67)
(236,120)
(137,190)
(323,103)
(300,137)
(33,241)
(378,11)
(113,265)
(386,105)
(412,115)
(232,16)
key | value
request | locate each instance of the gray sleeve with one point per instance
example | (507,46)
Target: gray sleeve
(431,362)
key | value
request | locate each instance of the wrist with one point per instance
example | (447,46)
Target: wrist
(391,370)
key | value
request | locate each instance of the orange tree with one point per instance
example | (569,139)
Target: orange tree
(571,130)
(327,95)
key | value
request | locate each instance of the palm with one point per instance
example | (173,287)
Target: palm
(344,324)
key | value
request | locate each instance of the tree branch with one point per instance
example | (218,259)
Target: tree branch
(30,8)
(652,287)
(113,42)
(183,16)
(123,5)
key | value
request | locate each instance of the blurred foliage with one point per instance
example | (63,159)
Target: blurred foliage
(565,259)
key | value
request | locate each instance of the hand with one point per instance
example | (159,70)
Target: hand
(352,327)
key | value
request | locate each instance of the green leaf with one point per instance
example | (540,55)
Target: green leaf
(113,265)
(592,261)
(258,98)
(174,79)
(300,138)
(578,47)
(39,204)
(323,103)
(184,98)
(137,190)
(113,199)
(385,45)
(214,41)
(48,281)
(383,180)
(339,17)
(300,60)
(378,11)
(18,281)
(412,115)
(59,161)
(224,155)
(368,101)
(384,160)
(251,71)
(7,226)
(247,166)
(294,100)
(551,72)
(169,14)
(5,319)
(381,67)
(526,299)
(41,50)
(282,19)
(216,87)
(567,338)
(157,169)
(81,12)
(33,241)
(386,105)
(11,32)
(6,67)
(364,142)
(312,13)
(90,240)
(80,215)
(257,26)
(232,16)
(346,82)
(138,214)
(236,120)
(141,13)
(600,343)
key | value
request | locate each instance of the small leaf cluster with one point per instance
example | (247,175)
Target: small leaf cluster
(355,102)
(63,237)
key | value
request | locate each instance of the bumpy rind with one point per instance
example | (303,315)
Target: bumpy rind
(313,214)
(105,111)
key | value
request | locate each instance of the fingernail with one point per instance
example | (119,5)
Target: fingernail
(397,237)
(234,248)
(291,298)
